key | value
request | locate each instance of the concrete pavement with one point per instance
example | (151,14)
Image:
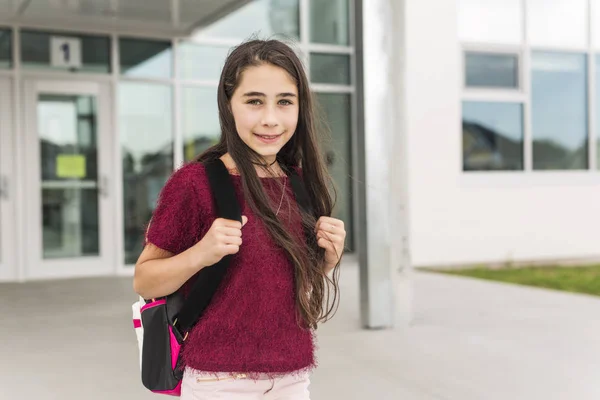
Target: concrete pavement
(468,340)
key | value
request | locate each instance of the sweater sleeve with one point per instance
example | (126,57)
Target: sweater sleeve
(176,222)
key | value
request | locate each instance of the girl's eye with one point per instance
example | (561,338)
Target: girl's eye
(254,102)
(285,102)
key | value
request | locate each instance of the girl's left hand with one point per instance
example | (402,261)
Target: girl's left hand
(331,236)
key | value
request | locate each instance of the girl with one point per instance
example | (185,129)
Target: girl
(256,338)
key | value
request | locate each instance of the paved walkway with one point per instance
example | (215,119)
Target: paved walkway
(469,340)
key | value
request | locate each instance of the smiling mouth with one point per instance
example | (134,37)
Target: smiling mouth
(268,136)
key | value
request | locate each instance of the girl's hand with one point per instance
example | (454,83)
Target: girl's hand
(224,237)
(331,236)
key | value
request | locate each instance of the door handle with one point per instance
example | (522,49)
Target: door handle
(4,192)
(103,186)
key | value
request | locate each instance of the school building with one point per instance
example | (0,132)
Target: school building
(463,131)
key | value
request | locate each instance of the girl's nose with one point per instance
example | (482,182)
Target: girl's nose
(269,118)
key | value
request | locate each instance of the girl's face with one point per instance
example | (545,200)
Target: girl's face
(265,109)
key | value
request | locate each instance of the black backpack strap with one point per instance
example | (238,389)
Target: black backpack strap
(209,278)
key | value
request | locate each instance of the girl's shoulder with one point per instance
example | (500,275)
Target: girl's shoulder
(181,210)
(190,176)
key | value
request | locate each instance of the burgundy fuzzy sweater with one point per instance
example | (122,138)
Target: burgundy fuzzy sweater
(251,325)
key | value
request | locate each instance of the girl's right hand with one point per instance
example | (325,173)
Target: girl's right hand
(223,238)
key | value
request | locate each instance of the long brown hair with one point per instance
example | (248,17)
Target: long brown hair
(316,293)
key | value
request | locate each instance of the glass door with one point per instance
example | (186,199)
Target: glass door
(70,208)
(8,266)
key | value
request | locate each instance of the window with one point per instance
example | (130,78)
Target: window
(36,51)
(147,161)
(559,111)
(491,70)
(329,22)
(492,137)
(5,49)
(556,98)
(145,58)
(336,108)
(484,21)
(330,68)
(492,131)
(67,129)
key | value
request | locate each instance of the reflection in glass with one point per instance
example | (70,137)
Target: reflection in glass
(336,110)
(95,51)
(544,17)
(262,17)
(5,48)
(200,120)
(329,22)
(491,70)
(330,68)
(145,58)
(201,62)
(67,129)
(146,137)
(559,111)
(492,136)
(484,21)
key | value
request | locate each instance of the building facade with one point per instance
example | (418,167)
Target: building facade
(502,121)
(463,131)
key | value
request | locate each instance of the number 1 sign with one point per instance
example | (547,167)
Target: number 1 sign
(65,52)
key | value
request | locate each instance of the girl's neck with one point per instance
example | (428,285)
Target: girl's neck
(261,171)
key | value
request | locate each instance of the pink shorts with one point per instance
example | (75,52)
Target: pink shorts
(198,385)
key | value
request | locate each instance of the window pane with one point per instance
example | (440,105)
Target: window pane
(200,120)
(67,134)
(70,223)
(145,121)
(492,136)
(330,68)
(557,23)
(490,21)
(329,22)
(201,62)
(263,17)
(145,58)
(491,70)
(558,111)
(337,112)
(95,51)
(5,48)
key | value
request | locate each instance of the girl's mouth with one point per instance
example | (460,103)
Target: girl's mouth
(268,138)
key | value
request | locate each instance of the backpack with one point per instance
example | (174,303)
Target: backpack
(162,324)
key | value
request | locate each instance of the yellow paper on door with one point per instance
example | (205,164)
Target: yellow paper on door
(70,166)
